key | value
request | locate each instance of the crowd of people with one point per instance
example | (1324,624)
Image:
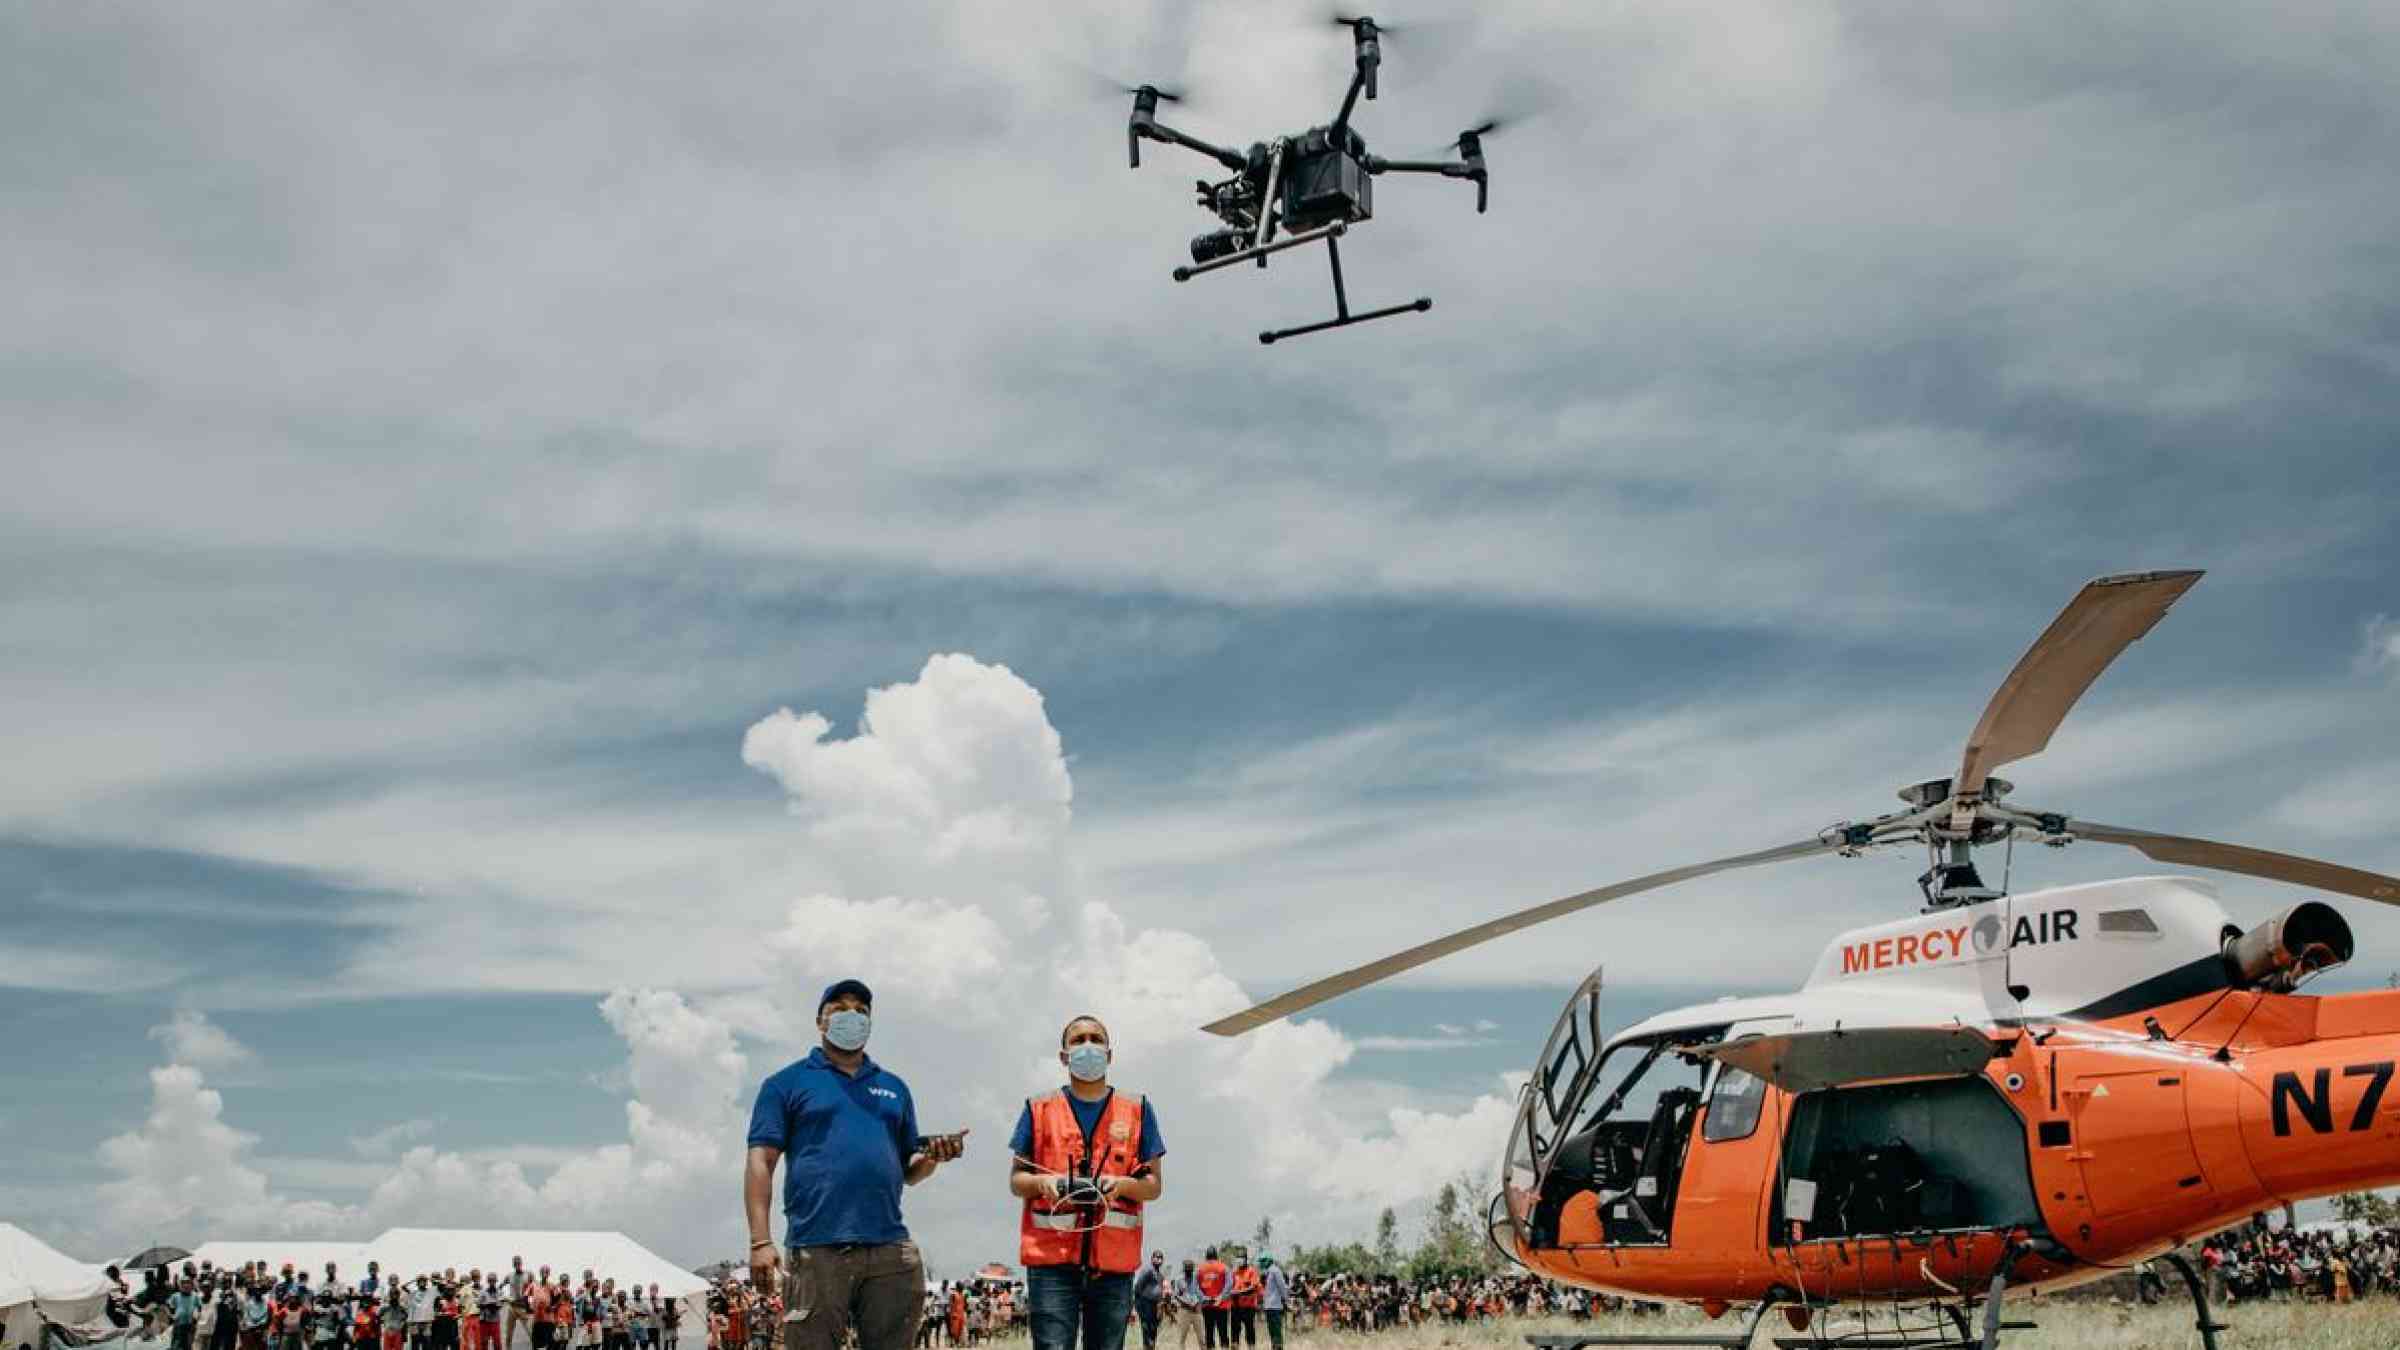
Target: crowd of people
(1218,1303)
(970,1312)
(2336,1265)
(251,1307)
(1378,1303)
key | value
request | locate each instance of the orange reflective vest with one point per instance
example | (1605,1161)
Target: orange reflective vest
(1105,1238)
(1245,1287)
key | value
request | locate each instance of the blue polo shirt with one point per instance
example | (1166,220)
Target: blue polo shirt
(846,1139)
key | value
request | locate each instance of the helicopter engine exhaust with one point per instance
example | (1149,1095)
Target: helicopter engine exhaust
(2278,954)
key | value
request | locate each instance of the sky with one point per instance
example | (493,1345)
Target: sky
(537,539)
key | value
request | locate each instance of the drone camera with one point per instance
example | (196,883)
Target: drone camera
(1217,244)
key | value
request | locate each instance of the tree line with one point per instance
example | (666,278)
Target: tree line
(1452,1243)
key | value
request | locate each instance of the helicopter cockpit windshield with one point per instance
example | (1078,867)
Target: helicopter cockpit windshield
(1613,1126)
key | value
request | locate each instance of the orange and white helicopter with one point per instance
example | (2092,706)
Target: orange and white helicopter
(2029,1091)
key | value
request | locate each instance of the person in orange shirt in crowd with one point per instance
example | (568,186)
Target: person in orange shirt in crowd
(562,1315)
(538,1296)
(1216,1292)
(1244,1298)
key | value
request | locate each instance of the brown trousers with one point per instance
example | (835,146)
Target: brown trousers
(880,1290)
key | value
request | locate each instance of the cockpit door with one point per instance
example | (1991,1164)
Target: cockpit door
(1547,1106)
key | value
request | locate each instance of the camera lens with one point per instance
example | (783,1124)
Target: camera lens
(1208,247)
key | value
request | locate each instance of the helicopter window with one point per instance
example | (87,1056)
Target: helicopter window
(2135,923)
(1733,1105)
(1628,1122)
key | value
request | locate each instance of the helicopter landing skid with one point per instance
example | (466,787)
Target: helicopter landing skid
(1734,1340)
(1343,318)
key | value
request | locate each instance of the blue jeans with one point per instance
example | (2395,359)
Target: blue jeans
(1060,1300)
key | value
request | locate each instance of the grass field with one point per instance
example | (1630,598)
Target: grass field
(2063,1325)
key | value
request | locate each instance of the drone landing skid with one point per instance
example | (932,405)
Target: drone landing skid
(1343,318)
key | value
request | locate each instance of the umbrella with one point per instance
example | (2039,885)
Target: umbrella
(154,1256)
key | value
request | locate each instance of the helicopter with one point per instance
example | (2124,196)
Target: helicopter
(2002,1091)
(1299,189)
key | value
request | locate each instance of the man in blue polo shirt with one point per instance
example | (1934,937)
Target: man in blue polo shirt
(850,1129)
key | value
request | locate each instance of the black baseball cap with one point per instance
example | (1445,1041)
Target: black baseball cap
(840,987)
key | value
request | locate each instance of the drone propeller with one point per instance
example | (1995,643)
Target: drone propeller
(1485,128)
(1418,28)
(1351,21)
(2103,619)
(1515,110)
(1104,85)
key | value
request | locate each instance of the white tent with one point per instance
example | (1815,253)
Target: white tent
(38,1283)
(409,1252)
(347,1257)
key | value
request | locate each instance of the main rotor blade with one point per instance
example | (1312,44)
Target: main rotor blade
(1309,995)
(2254,862)
(2104,618)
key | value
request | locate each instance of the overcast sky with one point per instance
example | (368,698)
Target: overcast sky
(440,445)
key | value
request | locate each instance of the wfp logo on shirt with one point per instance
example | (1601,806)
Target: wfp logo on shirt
(883,1092)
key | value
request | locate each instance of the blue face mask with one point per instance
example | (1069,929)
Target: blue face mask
(847,1029)
(1088,1062)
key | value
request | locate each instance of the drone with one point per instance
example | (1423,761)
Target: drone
(2002,1091)
(1305,188)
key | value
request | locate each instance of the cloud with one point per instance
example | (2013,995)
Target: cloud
(1411,1043)
(956,773)
(2380,646)
(1446,1036)
(186,1169)
(79,970)
(385,1142)
(191,1039)
(920,948)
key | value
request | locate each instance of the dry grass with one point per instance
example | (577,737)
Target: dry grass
(2062,1326)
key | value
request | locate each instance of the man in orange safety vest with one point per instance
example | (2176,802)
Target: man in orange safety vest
(1086,1159)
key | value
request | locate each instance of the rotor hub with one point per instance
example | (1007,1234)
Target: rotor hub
(1934,790)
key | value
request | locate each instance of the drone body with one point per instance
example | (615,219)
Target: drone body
(1300,189)
(2004,1089)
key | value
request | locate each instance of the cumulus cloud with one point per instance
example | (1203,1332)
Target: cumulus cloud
(925,947)
(192,1040)
(186,1168)
(955,774)
(668,1179)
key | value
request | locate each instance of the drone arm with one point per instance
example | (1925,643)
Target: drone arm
(1153,130)
(1447,168)
(1368,39)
